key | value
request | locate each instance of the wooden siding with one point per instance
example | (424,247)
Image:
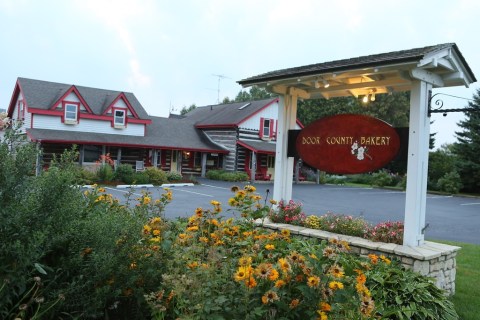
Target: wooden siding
(228,139)
(253,123)
(86,125)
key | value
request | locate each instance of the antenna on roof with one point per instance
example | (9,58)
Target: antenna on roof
(220,77)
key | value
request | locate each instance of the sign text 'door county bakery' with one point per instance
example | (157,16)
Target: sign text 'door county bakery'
(347,144)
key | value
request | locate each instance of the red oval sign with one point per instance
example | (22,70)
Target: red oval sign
(348,144)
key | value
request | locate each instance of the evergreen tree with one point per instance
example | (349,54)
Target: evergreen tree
(467,148)
(255,93)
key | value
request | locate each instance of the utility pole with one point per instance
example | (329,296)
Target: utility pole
(220,77)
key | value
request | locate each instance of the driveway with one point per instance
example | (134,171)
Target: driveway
(448,217)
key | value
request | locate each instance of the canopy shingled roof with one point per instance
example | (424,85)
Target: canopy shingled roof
(443,65)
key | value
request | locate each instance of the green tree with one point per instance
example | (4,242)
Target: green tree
(467,147)
(186,110)
(440,162)
(255,93)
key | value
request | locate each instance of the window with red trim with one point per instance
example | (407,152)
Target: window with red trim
(71,112)
(119,118)
(266,128)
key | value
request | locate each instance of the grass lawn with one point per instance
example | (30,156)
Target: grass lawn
(467,289)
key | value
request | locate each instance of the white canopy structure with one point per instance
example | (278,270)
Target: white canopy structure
(415,70)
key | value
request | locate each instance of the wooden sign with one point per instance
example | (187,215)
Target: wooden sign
(348,144)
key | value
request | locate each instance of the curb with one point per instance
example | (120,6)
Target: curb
(171,185)
(124,186)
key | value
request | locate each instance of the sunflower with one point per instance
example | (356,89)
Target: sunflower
(294,303)
(334,285)
(313,281)
(199,212)
(325,306)
(269,247)
(284,265)
(263,270)
(273,275)
(234,189)
(285,232)
(336,271)
(367,305)
(251,282)
(242,273)
(245,261)
(280,283)
(250,188)
(296,258)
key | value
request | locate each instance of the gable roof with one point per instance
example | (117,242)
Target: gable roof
(43,95)
(395,57)
(440,65)
(226,115)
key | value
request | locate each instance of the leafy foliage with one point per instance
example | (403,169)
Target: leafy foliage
(227,176)
(467,147)
(255,93)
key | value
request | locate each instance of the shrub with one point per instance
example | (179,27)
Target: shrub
(124,172)
(156,176)
(361,178)
(227,176)
(105,173)
(382,178)
(450,182)
(174,176)
(288,212)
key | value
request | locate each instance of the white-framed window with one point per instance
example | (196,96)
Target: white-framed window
(71,113)
(266,127)
(119,118)
(21,110)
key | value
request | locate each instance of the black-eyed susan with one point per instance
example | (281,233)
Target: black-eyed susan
(294,303)
(313,281)
(324,306)
(251,282)
(336,271)
(335,285)
(243,273)
(280,283)
(245,261)
(269,297)
(273,275)
(270,247)
(284,265)
(263,270)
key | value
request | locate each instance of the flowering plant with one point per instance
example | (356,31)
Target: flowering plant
(338,223)
(389,231)
(290,212)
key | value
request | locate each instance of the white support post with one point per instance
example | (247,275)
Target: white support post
(204,164)
(417,167)
(287,117)
(253,166)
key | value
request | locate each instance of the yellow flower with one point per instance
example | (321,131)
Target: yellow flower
(263,270)
(203,239)
(86,192)
(214,222)
(245,261)
(336,271)
(274,202)
(250,188)
(361,278)
(269,247)
(285,232)
(322,315)
(234,189)
(325,306)
(215,203)
(156,232)
(273,275)
(192,228)
(133,265)
(313,281)
(147,200)
(147,229)
(385,259)
(182,236)
(243,273)
(373,258)
(251,282)
(284,265)
(156,220)
(155,239)
(280,283)
(101,189)
(313,256)
(192,265)
(294,303)
(334,285)
(232,202)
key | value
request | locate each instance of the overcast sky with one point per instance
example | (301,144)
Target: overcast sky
(175,53)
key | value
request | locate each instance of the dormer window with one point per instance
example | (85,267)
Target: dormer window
(119,118)
(71,113)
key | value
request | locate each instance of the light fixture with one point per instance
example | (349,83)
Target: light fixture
(365,99)
(372,95)
(325,83)
(317,84)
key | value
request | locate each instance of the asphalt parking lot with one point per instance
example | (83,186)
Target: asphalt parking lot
(448,217)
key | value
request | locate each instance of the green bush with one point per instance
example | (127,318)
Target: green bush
(105,173)
(382,178)
(156,176)
(227,176)
(360,178)
(124,172)
(450,182)
(174,176)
